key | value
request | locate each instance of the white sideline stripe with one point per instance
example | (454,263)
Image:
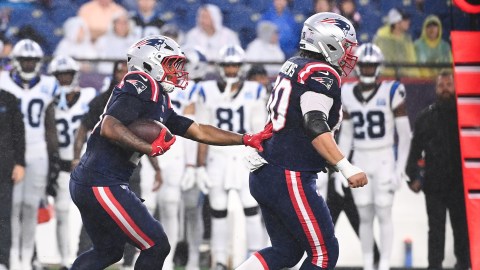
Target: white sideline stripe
(307,219)
(467,69)
(117,213)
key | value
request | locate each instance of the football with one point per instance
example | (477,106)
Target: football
(148,129)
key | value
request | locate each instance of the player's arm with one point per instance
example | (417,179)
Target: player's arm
(51,130)
(315,109)
(402,126)
(79,141)
(114,130)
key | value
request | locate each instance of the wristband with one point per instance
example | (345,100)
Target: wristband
(346,168)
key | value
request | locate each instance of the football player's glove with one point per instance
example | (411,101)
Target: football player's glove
(203,180)
(53,172)
(160,146)
(188,178)
(255,140)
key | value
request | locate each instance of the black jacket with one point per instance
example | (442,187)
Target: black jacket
(436,134)
(12,131)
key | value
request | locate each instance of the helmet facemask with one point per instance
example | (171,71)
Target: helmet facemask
(27,67)
(370,60)
(174,73)
(348,61)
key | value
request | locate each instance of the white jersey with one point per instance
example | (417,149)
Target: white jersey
(372,117)
(242,112)
(34,103)
(68,121)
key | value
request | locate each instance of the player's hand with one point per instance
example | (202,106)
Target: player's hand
(160,146)
(415,185)
(157,183)
(188,178)
(354,175)
(357,180)
(18,173)
(397,179)
(203,180)
(255,140)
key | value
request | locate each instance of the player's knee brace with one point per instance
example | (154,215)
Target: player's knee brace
(153,257)
(251,211)
(219,213)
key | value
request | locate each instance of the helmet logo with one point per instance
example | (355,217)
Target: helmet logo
(344,26)
(138,85)
(154,42)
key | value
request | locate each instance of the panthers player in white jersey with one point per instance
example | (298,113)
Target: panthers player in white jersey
(373,111)
(177,175)
(233,104)
(36,93)
(72,103)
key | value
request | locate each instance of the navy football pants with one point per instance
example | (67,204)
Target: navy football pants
(296,218)
(113,216)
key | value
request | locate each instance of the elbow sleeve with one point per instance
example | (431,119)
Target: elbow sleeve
(315,123)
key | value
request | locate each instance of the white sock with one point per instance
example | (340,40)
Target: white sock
(169,219)
(384,215)
(219,240)
(63,235)
(252,263)
(366,213)
(254,233)
(194,235)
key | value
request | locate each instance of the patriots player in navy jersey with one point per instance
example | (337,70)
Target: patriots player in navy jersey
(111,213)
(304,109)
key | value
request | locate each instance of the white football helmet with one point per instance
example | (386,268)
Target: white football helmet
(332,36)
(369,54)
(197,63)
(27,49)
(231,55)
(162,58)
(65,64)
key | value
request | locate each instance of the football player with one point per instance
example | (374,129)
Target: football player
(111,213)
(177,170)
(72,104)
(304,109)
(373,111)
(36,93)
(234,104)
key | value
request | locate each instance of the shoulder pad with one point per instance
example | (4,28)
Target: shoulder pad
(320,78)
(140,84)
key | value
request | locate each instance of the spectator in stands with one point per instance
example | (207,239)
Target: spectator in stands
(98,15)
(436,135)
(324,6)
(430,48)
(76,41)
(209,34)
(171,30)
(116,41)
(396,44)
(348,9)
(289,31)
(147,20)
(265,48)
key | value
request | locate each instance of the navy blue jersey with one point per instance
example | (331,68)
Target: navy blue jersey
(138,95)
(290,147)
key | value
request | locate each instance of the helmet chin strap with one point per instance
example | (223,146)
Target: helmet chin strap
(227,94)
(167,87)
(368,79)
